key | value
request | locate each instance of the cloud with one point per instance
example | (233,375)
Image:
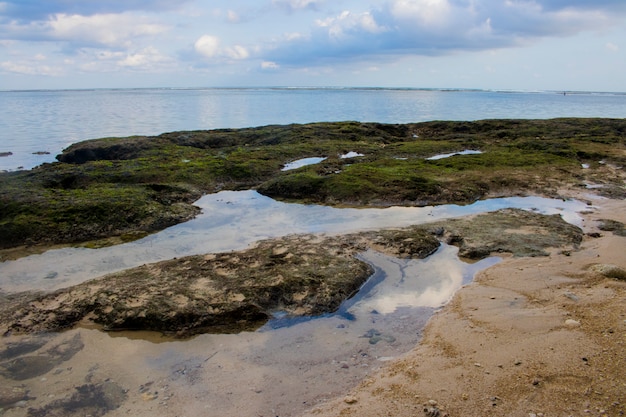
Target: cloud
(76,31)
(439,27)
(233,16)
(146,59)
(612,47)
(209,46)
(113,30)
(551,5)
(291,6)
(29,68)
(269,66)
(236,52)
(29,10)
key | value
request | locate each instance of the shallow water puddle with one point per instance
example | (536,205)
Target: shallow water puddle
(448,155)
(281,369)
(232,220)
(302,163)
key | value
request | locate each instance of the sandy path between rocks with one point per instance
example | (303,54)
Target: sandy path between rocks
(530,337)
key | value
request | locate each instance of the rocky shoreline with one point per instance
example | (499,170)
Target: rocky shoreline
(112,190)
(300,275)
(530,337)
(538,334)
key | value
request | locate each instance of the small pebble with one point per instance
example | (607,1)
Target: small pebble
(432,412)
(572,323)
(350,399)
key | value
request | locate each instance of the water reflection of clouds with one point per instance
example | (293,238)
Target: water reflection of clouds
(232,220)
(430,282)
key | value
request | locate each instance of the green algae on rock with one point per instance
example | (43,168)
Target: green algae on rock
(111,187)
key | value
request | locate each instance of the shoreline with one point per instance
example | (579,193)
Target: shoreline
(515,337)
(528,337)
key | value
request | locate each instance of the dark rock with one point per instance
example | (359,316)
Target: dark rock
(90,399)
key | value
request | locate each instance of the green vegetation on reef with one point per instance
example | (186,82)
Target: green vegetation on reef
(131,186)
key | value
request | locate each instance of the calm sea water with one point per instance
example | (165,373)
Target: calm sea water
(48,121)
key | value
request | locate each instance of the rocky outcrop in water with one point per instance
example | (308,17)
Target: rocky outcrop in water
(299,275)
(127,187)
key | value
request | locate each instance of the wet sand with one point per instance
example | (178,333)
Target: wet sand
(530,337)
(279,370)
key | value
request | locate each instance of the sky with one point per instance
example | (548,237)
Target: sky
(574,45)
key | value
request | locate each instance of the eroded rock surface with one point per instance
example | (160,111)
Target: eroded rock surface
(301,275)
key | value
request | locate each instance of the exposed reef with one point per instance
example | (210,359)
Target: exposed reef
(300,275)
(118,189)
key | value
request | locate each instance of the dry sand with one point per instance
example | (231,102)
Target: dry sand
(530,337)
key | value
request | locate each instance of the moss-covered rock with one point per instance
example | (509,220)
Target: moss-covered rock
(116,186)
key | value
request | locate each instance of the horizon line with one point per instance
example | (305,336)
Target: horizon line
(363,88)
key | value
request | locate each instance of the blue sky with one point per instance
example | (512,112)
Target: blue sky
(490,44)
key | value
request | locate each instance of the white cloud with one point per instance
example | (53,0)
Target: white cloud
(346,23)
(30,10)
(105,29)
(369,24)
(209,46)
(27,68)
(295,5)
(422,12)
(294,36)
(268,65)
(233,16)
(438,27)
(148,58)
(298,38)
(236,52)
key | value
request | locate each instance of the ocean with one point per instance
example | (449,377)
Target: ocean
(35,126)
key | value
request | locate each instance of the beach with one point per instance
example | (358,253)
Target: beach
(529,337)
(129,318)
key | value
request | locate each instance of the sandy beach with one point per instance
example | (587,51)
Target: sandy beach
(529,337)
